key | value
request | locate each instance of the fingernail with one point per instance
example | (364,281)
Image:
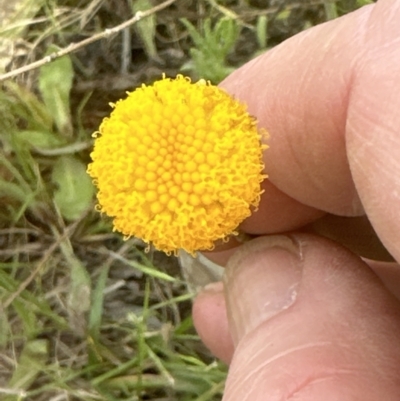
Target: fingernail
(261,280)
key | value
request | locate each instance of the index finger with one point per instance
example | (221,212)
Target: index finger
(299,92)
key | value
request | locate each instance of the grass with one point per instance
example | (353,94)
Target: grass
(85,315)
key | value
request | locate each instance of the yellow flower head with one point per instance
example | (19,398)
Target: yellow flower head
(178,164)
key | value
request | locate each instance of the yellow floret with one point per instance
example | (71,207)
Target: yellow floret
(178,164)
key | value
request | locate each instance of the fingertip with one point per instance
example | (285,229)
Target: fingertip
(335,333)
(299,92)
(211,323)
(373,124)
(278,212)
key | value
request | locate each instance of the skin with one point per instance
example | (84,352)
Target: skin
(298,316)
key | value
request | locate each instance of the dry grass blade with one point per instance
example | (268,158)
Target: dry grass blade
(139,15)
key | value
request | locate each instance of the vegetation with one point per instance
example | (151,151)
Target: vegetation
(84,314)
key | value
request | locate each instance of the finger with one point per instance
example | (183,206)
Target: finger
(309,91)
(211,319)
(355,233)
(389,274)
(278,212)
(373,124)
(299,92)
(209,313)
(309,321)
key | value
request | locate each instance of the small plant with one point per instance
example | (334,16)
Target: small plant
(212,46)
(37,132)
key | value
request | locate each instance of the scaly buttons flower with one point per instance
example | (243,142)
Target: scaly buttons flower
(178,164)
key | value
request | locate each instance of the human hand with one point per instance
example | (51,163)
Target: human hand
(302,317)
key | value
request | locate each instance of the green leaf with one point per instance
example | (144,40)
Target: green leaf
(79,296)
(21,104)
(75,190)
(261,31)
(38,139)
(5,328)
(13,191)
(96,309)
(147,270)
(283,15)
(37,304)
(212,46)
(146,27)
(331,11)
(55,82)
(31,362)
(79,288)
(30,323)
(196,37)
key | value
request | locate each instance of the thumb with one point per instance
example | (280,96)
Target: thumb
(309,321)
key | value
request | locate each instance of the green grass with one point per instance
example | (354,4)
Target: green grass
(85,315)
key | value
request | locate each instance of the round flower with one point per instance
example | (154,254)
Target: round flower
(178,164)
